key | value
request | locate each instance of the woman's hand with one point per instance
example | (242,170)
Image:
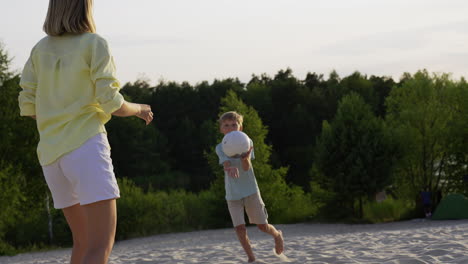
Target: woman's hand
(145,113)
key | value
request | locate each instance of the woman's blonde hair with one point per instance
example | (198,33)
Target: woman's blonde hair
(69,16)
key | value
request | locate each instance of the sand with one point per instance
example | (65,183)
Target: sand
(410,242)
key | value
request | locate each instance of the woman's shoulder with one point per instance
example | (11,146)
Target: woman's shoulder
(93,41)
(42,41)
(40,45)
(93,37)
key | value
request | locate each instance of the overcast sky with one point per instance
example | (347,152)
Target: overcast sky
(197,40)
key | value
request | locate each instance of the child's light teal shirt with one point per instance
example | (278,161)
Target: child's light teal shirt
(245,185)
(69,84)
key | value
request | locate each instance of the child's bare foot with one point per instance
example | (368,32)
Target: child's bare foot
(279,247)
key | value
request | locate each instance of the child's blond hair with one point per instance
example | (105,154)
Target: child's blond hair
(231,115)
(69,16)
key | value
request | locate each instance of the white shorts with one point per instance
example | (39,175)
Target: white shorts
(83,176)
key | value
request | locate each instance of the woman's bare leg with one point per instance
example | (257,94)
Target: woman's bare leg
(76,219)
(102,222)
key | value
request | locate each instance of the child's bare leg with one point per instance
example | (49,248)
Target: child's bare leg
(241,232)
(277,235)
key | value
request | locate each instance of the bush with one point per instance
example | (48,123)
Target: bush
(143,213)
(387,211)
(297,206)
(10,199)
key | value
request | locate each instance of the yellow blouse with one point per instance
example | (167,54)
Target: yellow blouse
(69,84)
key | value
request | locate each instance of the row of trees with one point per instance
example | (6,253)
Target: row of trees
(320,143)
(292,109)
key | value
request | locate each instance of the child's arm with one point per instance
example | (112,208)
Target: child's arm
(245,160)
(232,171)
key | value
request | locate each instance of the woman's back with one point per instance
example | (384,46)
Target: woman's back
(70,81)
(62,65)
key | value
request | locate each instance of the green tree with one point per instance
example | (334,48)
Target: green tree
(139,91)
(427,114)
(284,104)
(382,87)
(182,114)
(138,152)
(18,162)
(360,85)
(11,198)
(353,155)
(456,173)
(18,136)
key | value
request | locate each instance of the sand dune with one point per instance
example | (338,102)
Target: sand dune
(410,242)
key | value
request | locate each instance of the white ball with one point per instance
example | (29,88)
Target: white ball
(235,143)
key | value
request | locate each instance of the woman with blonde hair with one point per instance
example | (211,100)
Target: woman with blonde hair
(69,86)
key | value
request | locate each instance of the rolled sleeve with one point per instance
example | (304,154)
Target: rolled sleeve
(103,74)
(108,97)
(27,96)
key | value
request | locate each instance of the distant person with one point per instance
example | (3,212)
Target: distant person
(69,86)
(426,202)
(242,192)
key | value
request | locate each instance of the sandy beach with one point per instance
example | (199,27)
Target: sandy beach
(409,242)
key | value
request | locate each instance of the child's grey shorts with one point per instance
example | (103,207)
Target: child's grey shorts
(254,207)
